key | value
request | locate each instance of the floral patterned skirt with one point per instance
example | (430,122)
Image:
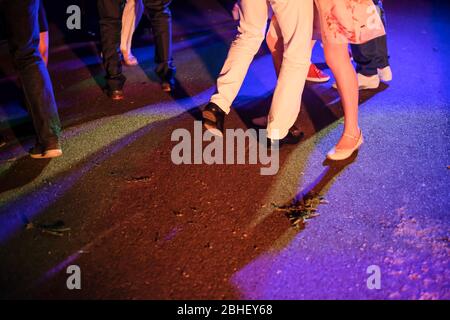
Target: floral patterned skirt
(348,21)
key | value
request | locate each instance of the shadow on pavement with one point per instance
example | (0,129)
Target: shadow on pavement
(22,172)
(332,170)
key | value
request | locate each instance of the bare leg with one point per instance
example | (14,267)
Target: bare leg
(338,60)
(132,14)
(43,46)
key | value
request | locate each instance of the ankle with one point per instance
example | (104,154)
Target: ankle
(355,132)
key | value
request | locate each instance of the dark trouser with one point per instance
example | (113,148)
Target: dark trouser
(20,19)
(110,12)
(372,55)
(160,17)
(42,18)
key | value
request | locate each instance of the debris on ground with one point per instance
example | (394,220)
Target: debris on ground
(56,229)
(139,179)
(301,211)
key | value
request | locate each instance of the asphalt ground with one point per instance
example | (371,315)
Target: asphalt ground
(142,227)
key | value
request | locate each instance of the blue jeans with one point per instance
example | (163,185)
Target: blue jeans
(372,55)
(20,19)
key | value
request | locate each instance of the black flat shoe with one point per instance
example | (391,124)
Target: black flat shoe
(294,136)
(213,119)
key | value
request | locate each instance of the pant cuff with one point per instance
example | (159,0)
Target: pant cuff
(221,104)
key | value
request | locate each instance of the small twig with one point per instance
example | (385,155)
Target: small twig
(55,229)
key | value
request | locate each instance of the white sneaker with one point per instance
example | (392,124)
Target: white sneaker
(365,82)
(385,74)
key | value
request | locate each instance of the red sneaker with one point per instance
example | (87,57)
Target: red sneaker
(316,75)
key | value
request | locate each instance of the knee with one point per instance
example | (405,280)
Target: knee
(249,42)
(158,8)
(158,13)
(25,57)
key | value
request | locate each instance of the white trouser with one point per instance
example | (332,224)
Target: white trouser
(132,14)
(295,18)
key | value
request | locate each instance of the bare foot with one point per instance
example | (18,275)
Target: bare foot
(129,59)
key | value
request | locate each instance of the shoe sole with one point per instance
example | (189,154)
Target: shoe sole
(369,87)
(360,88)
(318,80)
(385,79)
(47,155)
(211,117)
